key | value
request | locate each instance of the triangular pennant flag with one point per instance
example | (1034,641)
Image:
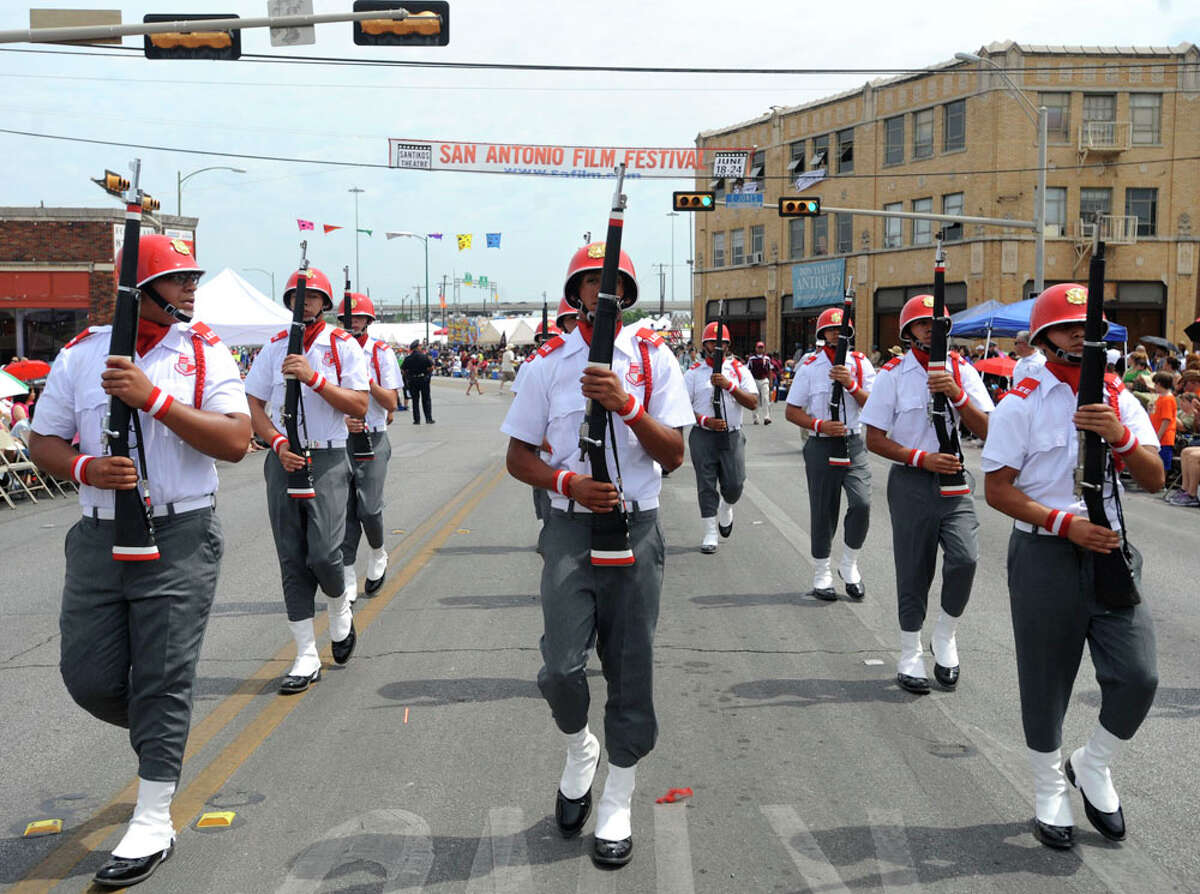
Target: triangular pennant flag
(329,228)
(364,230)
(393,235)
(493,240)
(434,235)
(464,241)
(304,224)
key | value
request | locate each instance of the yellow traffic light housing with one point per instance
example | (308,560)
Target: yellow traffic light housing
(694,201)
(426,23)
(793,207)
(112,183)
(149,203)
(224,45)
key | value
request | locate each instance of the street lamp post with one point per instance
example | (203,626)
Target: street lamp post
(357,277)
(672,215)
(267,272)
(424,239)
(181,178)
(1039,116)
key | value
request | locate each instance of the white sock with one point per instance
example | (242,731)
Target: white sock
(710,531)
(1091,766)
(349,578)
(377,560)
(307,660)
(849,566)
(583,754)
(725,513)
(150,829)
(340,616)
(912,662)
(1051,803)
(615,812)
(943,642)
(822,576)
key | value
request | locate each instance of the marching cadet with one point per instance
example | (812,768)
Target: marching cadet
(613,607)
(808,407)
(716,442)
(364,506)
(1029,461)
(899,429)
(541,497)
(131,631)
(309,533)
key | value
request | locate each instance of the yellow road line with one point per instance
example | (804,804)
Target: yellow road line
(79,843)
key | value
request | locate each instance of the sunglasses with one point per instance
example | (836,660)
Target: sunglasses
(182,279)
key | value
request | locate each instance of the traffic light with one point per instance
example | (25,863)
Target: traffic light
(694,201)
(112,183)
(799,207)
(192,44)
(149,203)
(426,25)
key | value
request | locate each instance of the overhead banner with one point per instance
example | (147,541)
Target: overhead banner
(565,161)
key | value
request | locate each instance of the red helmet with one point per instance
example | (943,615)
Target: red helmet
(361,305)
(1064,303)
(710,333)
(317,281)
(550,331)
(831,316)
(591,257)
(564,310)
(159,255)
(918,307)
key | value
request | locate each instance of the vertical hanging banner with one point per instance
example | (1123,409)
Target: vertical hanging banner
(567,161)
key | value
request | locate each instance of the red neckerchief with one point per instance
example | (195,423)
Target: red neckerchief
(362,339)
(585,329)
(1066,372)
(311,331)
(149,334)
(829,352)
(709,361)
(922,357)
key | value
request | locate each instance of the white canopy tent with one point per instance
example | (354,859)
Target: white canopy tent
(516,330)
(238,312)
(404,334)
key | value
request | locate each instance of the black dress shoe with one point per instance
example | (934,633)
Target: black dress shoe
(915,685)
(120,872)
(571,813)
(1057,837)
(724,530)
(294,683)
(372,586)
(431,421)
(825,594)
(1110,825)
(947,676)
(854,591)
(342,649)
(612,853)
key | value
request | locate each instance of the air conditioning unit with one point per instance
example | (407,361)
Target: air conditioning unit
(756,257)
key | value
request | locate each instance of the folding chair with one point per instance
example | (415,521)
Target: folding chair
(16,470)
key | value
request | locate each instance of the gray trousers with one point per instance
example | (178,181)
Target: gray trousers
(719,459)
(614,608)
(308,533)
(541,503)
(131,631)
(364,498)
(1054,612)
(922,520)
(825,486)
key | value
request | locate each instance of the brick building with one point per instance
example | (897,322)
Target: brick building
(1124,127)
(56,273)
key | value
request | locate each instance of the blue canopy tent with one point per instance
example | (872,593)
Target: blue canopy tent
(1006,320)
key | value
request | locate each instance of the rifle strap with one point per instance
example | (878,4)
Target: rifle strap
(198,352)
(647,373)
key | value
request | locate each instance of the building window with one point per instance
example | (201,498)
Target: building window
(1056,211)
(893,227)
(1099,118)
(756,240)
(1143,203)
(756,179)
(922,231)
(820,153)
(954,135)
(1093,200)
(820,235)
(796,165)
(952,203)
(737,247)
(718,188)
(718,259)
(1058,116)
(923,134)
(1145,113)
(845,233)
(796,237)
(893,147)
(845,144)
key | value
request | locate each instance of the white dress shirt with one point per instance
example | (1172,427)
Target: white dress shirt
(698,380)
(811,387)
(384,371)
(1026,365)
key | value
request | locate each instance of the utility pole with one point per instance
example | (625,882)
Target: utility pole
(662,286)
(357,276)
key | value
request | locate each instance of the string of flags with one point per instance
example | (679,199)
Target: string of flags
(465,240)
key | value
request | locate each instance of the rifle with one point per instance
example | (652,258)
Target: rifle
(1114,581)
(299,483)
(839,457)
(718,366)
(133,536)
(360,441)
(955,484)
(610,530)
(545,319)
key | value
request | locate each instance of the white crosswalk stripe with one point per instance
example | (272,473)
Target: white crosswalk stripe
(810,861)
(672,850)
(502,859)
(896,866)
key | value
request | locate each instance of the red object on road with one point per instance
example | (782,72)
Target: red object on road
(442,331)
(997,366)
(28,370)
(673,795)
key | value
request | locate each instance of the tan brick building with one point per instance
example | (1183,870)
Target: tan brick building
(1124,139)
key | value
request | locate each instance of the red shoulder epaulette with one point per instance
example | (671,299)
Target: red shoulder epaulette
(893,363)
(340,333)
(698,363)
(280,335)
(77,339)
(206,334)
(552,345)
(1114,383)
(647,334)
(1025,387)
(859,354)
(810,360)
(950,354)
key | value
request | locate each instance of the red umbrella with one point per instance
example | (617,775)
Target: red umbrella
(441,332)
(28,370)
(997,366)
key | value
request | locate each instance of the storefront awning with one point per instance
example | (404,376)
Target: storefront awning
(30,289)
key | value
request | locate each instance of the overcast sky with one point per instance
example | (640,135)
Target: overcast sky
(348,114)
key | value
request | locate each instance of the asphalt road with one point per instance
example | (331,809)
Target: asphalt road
(430,761)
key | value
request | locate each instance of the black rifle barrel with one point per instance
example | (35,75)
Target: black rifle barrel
(300,483)
(840,456)
(953,484)
(360,441)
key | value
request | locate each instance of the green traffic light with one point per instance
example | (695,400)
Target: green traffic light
(706,201)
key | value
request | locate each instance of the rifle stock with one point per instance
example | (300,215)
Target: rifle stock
(954,484)
(360,441)
(840,456)
(299,482)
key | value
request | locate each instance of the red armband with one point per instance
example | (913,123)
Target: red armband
(816,426)
(703,423)
(79,468)
(317,382)
(562,483)
(1127,444)
(632,411)
(1058,522)
(962,399)
(916,457)
(158,403)
(278,443)
(853,389)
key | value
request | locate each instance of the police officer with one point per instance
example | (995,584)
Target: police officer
(613,607)
(717,444)
(131,631)
(364,505)
(309,533)
(418,372)
(899,429)
(808,407)
(1029,460)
